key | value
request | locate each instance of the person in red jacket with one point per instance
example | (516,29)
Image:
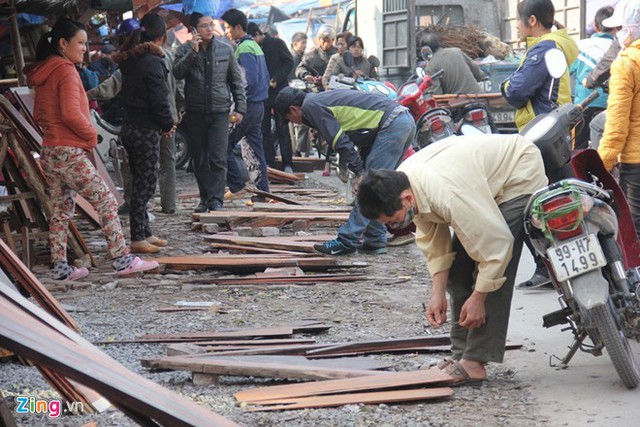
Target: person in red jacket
(62,111)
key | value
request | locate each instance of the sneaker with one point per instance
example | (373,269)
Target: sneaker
(405,239)
(372,250)
(143,247)
(334,247)
(76,273)
(540,279)
(138,265)
(201,208)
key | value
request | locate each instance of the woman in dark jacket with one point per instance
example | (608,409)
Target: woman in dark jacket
(145,99)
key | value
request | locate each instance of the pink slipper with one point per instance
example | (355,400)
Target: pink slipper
(326,173)
(138,265)
(77,273)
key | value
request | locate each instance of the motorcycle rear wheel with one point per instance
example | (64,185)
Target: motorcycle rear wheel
(617,345)
(182,151)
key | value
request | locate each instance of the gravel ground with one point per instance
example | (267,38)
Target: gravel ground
(115,309)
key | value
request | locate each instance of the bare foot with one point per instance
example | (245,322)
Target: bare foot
(475,369)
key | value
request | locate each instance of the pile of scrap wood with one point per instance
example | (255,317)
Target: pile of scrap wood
(79,371)
(472,41)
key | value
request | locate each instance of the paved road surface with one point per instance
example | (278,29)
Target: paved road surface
(589,392)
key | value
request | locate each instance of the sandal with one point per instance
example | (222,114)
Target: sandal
(460,377)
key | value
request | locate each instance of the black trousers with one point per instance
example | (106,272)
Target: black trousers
(208,139)
(143,151)
(283,138)
(630,184)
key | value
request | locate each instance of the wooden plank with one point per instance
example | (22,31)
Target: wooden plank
(263,242)
(291,350)
(253,369)
(292,280)
(259,342)
(272,196)
(252,249)
(201,336)
(391,380)
(128,391)
(383,345)
(279,207)
(29,282)
(356,398)
(354,363)
(247,263)
(104,173)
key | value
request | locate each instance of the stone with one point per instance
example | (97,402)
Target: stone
(199,378)
(244,231)
(299,225)
(211,228)
(266,232)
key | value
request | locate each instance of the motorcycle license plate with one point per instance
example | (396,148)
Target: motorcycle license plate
(576,257)
(503,116)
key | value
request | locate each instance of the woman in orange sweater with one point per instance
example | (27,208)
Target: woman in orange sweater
(62,111)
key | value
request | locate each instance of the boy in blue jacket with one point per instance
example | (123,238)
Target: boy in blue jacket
(256,76)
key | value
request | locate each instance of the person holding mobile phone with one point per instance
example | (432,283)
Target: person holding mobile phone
(212,79)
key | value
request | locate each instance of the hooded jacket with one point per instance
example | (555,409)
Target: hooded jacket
(211,78)
(144,95)
(61,106)
(528,88)
(592,50)
(621,139)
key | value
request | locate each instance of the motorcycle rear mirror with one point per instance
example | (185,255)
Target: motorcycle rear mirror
(556,63)
(374,61)
(347,57)
(426,53)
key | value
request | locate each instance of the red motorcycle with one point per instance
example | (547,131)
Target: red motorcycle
(582,227)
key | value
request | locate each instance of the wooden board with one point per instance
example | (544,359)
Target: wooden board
(266,219)
(279,207)
(367,398)
(252,249)
(247,263)
(391,380)
(136,396)
(263,242)
(205,365)
(383,345)
(356,363)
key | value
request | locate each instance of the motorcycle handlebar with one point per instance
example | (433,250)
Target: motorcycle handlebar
(437,74)
(588,100)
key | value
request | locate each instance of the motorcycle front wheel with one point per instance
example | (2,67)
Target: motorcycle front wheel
(182,151)
(616,344)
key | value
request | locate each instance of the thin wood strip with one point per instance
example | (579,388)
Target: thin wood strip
(366,398)
(279,207)
(263,242)
(433,340)
(391,380)
(259,342)
(254,249)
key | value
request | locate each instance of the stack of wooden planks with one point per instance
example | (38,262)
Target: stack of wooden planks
(81,373)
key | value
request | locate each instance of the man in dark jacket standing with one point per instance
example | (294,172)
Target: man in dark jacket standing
(279,63)
(212,77)
(369,131)
(254,67)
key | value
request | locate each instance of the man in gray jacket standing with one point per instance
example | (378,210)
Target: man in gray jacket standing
(212,77)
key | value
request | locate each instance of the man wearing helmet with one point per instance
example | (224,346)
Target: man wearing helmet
(314,63)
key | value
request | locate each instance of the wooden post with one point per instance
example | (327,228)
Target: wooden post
(16,45)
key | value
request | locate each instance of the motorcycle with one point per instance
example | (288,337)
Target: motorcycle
(581,225)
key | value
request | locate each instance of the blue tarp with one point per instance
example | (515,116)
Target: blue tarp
(213,8)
